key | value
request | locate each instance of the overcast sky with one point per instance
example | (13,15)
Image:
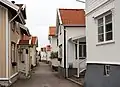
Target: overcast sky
(42,13)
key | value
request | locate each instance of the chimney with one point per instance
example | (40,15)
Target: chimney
(13,2)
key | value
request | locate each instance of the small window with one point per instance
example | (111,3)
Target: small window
(26,51)
(106,70)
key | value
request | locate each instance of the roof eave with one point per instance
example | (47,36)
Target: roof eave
(9,4)
(74,25)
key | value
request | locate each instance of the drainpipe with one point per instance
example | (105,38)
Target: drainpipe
(10,43)
(65,53)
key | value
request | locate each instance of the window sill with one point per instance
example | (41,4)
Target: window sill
(105,43)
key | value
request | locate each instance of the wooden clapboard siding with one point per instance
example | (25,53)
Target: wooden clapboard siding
(14,37)
(2,42)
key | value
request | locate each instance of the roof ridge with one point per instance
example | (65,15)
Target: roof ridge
(70,9)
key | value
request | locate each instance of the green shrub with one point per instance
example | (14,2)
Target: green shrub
(54,55)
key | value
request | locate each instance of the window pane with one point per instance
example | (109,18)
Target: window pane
(84,50)
(100,21)
(80,50)
(108,27)
(100,30)
(109,36)
(108,18)
(76,51)
(101,38)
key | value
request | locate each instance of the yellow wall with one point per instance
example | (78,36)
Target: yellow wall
(2,42)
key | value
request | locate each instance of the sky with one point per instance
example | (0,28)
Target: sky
(42,13)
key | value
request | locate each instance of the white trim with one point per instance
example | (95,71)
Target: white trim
(10,4)
(78,37)
(10,77)
(98,62)
(7,44)
(59,17)
(106,42)
(13,75)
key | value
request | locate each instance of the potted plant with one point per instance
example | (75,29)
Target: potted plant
(54,55)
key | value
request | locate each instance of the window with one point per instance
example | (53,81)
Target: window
(12,51)
(105,28)
(106,70)
(81,50)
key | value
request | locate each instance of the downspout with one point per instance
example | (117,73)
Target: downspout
(9,27)
(65,53)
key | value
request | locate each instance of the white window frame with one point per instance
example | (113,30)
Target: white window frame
(104,27)
(77,53)
(82,51)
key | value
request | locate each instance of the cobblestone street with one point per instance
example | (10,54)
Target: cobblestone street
(44,77)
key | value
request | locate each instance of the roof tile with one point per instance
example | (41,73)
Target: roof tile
(52,30)
(72,16)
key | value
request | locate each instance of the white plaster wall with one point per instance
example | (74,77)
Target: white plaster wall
(70,33)
(61,42)
(33,54)
(107,53)
(54,44)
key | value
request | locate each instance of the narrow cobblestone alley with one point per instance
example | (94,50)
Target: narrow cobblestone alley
(44,77)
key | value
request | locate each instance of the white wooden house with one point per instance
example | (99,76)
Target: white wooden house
(103,43)
(53,39)
(33,48)
(12,16)
(71,41)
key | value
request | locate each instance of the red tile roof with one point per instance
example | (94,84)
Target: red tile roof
(52,30)
(34,40)
(72,16)
(24,40)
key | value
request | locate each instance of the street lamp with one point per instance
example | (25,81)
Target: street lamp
(80,1)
